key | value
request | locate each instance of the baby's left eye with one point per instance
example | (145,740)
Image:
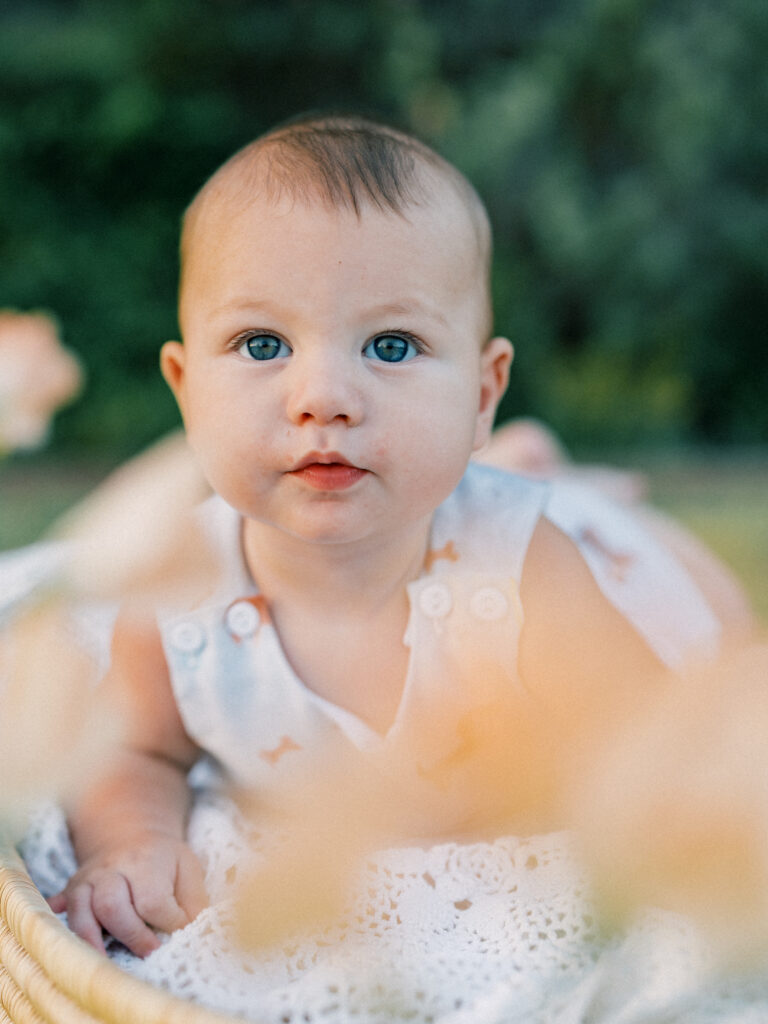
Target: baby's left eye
(391,348)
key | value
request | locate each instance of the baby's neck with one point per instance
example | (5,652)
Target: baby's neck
(358,576)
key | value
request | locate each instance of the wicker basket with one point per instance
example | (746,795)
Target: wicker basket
(49,976)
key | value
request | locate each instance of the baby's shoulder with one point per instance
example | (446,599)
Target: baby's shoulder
(574,639)
(556,579)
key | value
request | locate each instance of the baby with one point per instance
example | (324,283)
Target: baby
(379,595)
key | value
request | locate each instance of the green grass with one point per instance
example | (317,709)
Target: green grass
(722,499)
(33,492)
(725,503)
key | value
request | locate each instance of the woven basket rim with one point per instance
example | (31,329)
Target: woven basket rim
(60,978)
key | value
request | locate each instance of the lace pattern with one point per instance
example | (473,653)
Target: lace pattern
(484,933)
(457,934)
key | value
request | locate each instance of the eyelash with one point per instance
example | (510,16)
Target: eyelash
(242,339)
(417,343)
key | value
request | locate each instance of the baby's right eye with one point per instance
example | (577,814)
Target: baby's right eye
(264,347)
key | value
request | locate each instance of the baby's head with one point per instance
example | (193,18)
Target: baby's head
(347,164)
(335,311)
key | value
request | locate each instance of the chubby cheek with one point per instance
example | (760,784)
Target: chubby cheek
(429,453)
(225,448)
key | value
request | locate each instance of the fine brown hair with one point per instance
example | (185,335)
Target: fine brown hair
(346,162)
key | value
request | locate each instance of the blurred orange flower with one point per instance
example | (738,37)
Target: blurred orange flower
(673,811)
(37,376)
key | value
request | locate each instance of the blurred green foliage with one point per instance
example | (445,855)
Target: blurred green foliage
(621,146)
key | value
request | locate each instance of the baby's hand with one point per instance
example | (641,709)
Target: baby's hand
(153,882)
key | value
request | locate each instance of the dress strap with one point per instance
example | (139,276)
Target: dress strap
(487,523)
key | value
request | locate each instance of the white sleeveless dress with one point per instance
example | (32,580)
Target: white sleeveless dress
(496,932)
(242,702)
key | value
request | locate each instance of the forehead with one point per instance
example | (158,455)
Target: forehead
(254,178)
(240,233)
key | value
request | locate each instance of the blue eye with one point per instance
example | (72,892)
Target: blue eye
(391,348)
(264,347)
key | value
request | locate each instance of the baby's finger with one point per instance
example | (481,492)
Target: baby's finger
(159,908)
(113,908)
(190,885)
(57,902)
(81,917)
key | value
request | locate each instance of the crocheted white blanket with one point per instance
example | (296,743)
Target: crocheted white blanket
(479,933)
(457,934)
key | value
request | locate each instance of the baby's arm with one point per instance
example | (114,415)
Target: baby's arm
(662,775)
(136,872)
(585,666)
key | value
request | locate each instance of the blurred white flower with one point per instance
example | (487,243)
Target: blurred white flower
(37,376)
(53,733)
(527,446)
(134,540)
(135,537)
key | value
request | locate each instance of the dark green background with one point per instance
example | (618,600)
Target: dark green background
(621,146)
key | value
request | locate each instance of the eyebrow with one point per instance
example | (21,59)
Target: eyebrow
(408,307)
(246,305)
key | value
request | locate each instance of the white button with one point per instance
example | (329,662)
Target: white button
(435,600)
(188,638)
(242,619)
(489,604)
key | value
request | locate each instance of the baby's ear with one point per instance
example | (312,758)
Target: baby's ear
(172,356)
(495,361)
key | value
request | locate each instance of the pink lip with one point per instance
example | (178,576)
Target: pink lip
(327,471)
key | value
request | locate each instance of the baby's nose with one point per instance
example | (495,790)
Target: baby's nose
(324,390)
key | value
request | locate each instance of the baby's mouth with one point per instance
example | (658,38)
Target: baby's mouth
(327,471)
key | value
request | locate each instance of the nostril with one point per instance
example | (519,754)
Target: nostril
(318,417)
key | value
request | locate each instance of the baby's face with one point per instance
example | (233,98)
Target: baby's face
(334,379)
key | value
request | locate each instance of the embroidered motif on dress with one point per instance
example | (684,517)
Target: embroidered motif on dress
(619,562)
(448,551)
(285,745)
